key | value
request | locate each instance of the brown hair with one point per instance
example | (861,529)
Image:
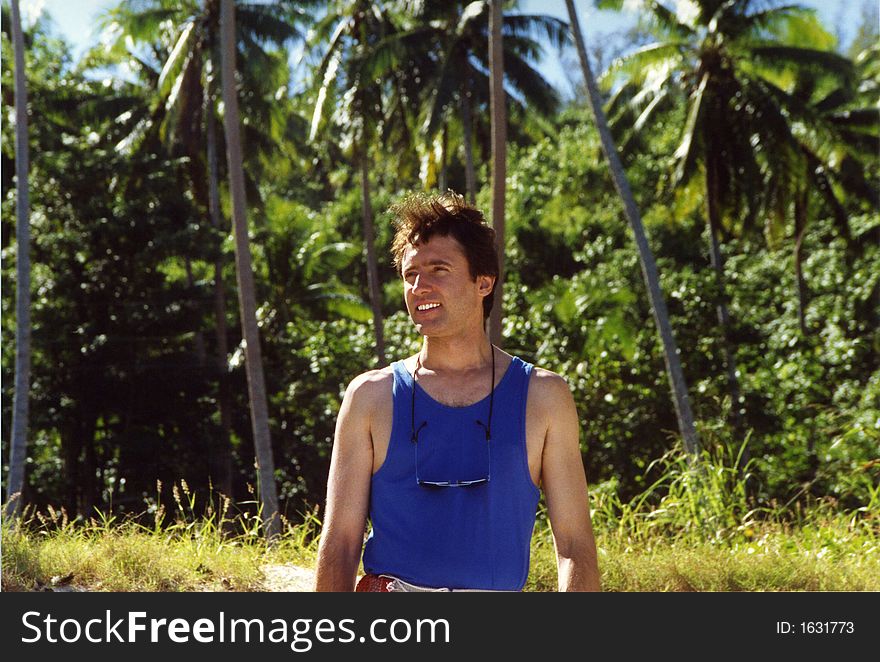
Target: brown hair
(418,217)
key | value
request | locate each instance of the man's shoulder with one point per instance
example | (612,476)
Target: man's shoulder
(371,384)
(548,387)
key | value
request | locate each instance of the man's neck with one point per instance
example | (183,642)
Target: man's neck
(456,354)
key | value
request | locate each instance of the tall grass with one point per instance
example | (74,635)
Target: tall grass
(695,528)
(173,551)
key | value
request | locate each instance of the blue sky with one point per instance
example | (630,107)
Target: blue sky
(76,20)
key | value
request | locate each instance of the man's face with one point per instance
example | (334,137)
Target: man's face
(441,297)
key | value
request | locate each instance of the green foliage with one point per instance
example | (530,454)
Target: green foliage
(124,391)
(582,311)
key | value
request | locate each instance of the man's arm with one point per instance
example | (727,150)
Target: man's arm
(348,491)
(565,488)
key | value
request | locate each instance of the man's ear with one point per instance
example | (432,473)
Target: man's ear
(485,284)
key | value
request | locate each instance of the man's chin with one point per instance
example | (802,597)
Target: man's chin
(426,328)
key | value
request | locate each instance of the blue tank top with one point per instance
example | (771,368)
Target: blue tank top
(475,537)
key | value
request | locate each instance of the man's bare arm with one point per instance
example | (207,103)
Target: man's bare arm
(348,491)
(565,488)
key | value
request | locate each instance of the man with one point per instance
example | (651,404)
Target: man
(445,450)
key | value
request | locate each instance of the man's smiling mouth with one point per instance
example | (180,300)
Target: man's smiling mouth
(427,306)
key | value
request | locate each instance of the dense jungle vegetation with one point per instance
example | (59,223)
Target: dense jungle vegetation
(760,120)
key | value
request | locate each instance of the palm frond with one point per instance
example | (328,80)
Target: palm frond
(652,11)
(554,30)
(476,12)
(323,30)
(636,65)
(330,71)
(383,57)
(531,85)
(686,153)
(141,24)
(834,100)
(274,23)
(864,119)
(646,115)
(446,83)
(796,25)
(177,58)
(776,56)
(522,47)
(252,59)
(333,48)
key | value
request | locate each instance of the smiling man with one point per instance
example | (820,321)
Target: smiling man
(447,451)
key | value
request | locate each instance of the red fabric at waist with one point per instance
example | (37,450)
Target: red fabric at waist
(373,584)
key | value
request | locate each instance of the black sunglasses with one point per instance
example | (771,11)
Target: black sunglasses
(487,428)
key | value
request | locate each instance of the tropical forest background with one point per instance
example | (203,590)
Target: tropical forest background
(748,132)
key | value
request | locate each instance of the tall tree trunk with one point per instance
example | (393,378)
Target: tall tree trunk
(90,487)
(442,182)
(21,397)
(198,337)
(78,451)
(71,446)
(800,227)
(372,262)
(714,216)
(467,129)
(674,371)
(222,462)
(245,277)
(499,160)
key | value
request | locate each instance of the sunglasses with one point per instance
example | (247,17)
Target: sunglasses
(475,477)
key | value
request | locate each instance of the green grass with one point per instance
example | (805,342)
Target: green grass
(695,529)
(213,552)
(776,559)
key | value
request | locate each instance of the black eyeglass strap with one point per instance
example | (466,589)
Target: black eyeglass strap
(415,433)
(412,420)
(488,428)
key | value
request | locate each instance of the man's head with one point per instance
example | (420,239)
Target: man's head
(419,218)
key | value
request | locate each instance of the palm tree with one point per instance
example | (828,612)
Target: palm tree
(499,159)
(245,276)
(646,256)
(353,74)
(18,449)
(835,124)
(449,48)
(185,78)
(383,61)
(223,462)
(184,113)
(722,60)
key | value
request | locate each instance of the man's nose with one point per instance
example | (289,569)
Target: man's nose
(421,284)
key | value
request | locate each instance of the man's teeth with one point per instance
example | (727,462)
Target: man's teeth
(428,306)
